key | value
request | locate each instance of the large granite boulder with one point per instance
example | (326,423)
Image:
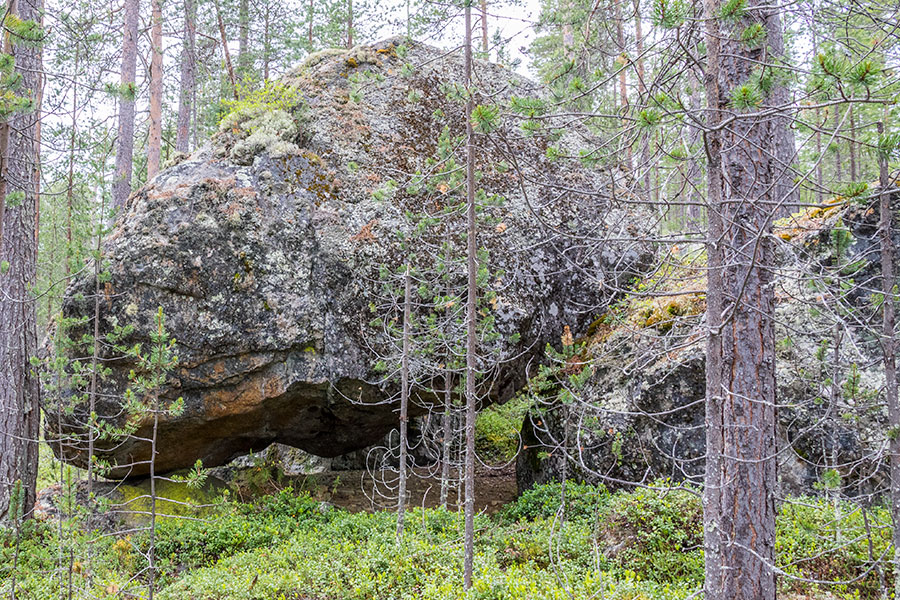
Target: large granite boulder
(264,250)
(628,406)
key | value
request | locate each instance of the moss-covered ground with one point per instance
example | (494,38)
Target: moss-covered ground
(643,544)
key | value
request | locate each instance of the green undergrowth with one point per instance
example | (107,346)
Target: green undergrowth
(638,545)
(497,428)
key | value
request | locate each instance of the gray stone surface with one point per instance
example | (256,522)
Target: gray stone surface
(264,249)
(641,411)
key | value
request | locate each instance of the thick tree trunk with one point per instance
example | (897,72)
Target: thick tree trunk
(19,388)
(154,145)
(739,501)
(188,77)
(889,349)
(471,316)
(127,92)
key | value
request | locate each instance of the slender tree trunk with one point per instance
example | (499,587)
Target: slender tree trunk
(151,584)
(70,187)
(853,169)
(623,83)
(485,46)
(889,349)
(404,403)
(471,314)
(188,77)
(243,59)
(267,42)
(312,14)
(820,180)
(820,123)
(349,23)
(446,440)
(225,51)
(36,171)
(154,145)
(642,91)
(837,144)
(127,92)
(739,494)
(19,388)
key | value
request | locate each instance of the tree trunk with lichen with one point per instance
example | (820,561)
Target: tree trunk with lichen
(744,182)
(154,143)
(19,389)
(127,92)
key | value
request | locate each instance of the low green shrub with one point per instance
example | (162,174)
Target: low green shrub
(657,533)
(583,501)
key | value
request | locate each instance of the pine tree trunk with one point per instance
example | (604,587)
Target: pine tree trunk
(485,46)
(312,14)
(623,83)
(471,316)
(127,92)
(889,349)
(446,440)
(225,51)
(642,90)
(188,77)
(19,388)
(837,144)
(853,171)
(739,494)
(73,134)
(267,42)
(154,144)
(243,59)
(349,23)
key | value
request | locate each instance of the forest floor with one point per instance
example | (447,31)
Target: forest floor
(362,491)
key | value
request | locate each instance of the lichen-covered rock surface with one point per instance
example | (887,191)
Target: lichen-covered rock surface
(264,250)
(634,411)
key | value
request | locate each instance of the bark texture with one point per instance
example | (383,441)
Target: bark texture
(154,145)
(471,316)
(188,77)
(889,349)
(19,412)
(744,183)
(125,138)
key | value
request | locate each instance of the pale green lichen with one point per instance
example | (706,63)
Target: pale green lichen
(271,131)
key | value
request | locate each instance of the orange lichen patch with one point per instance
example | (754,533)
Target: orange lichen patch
(154,194)
(245,193)
(662,312)
(232,209)
(365,234)
(243,398)
(811,219)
